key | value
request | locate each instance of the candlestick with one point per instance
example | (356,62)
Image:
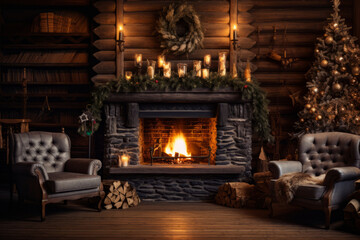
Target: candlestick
(207,61)
(123,160)
(167,69)
(222,63)
(128,75)
(197,68)
(234,33)
(205,73)
(121,37)
(138,62)
(182,68)
(121,41)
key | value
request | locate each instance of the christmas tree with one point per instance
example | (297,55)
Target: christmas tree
(333,98)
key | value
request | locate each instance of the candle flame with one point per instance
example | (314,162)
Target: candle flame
(120,28)
(234,27)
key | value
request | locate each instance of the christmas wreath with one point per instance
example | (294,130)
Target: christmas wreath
(179,29)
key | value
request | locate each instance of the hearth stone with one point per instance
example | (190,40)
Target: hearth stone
(179,187)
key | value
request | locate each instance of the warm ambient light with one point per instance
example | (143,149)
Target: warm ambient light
(177,147)
(234,32)
(121,36)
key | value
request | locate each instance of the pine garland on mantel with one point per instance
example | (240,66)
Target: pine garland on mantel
(247,91)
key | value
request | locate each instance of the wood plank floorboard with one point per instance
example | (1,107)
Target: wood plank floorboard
(165,220)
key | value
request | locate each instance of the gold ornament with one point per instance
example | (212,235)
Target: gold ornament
(336,87)
(342,109)
(329,40)
(322,92)
(318,117)
(355,70)
(351,105)
(335,72)
(302,120)
(340,59)
(324,63)
(345,48)
(308,106)
(317,50)
(357,119)
(314,89)
(313,110)
(343,69)
(353,81)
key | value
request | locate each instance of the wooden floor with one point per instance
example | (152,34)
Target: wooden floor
(165,220)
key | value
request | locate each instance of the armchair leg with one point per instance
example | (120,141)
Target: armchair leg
(327,211)
(102,196)
(43,208)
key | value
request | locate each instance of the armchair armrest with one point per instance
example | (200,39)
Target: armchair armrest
(83,165)
(30,169)
(339,174)
(279,168)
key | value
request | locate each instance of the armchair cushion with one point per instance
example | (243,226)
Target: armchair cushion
(83,165)
(341,174)
(67,181)
(29,168)
(279,168)
(310,191)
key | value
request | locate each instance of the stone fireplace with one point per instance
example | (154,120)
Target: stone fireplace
(214,128)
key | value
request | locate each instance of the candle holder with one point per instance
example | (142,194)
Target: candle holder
(205,73)
(167,69)
(123,159)
(207,61)
(138,62)
(182,68)
(160,63)
(234,39)
(197,68)
(222,63)
(121,41)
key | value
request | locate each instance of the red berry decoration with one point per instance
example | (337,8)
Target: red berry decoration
(156,81)
(245,86)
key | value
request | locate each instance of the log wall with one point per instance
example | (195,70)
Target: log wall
(304,21)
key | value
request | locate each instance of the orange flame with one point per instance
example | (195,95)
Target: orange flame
(178,145)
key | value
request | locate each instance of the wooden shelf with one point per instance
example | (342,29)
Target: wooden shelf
(46,34)
(44,64)
(47,3)
(45,46)
(44,83)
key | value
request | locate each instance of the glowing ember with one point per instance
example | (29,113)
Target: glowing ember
(177,146)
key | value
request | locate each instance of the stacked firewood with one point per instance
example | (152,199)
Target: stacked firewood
(120,195)
(241,194)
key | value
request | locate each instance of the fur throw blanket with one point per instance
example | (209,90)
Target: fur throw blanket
(287,184)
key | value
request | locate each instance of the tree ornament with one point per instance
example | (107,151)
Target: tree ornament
(329,40)
(308,106)
(342,109)
(345,48)
(343,69)
(322,93)
(318,117)
(355,70)
(302,120)
(357,119)
(317,50)
(335,72)
(336,87)
(340,59)
(353,81)
(180,29)
(314,90)
(324,63)
(313,110)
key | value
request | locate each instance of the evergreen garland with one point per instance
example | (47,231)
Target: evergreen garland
(247,91)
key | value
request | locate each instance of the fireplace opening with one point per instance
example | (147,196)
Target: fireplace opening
(177,140)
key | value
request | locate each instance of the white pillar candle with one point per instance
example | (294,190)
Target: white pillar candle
(222,63)
(138,60)
(182,67)
(207,61)
(205,73)
(128,75)
(161,60)
(125,160)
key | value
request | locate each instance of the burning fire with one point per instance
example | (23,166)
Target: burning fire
(177,146)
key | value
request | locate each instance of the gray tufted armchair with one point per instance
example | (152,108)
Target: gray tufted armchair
(335,154)
(43,170)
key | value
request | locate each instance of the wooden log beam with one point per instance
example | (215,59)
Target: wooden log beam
(103,78)
(105,18)
(105,31)
(233,23)
(119,52)
(105,6)
(105,44)
(147,6)
(107,67)
(105,55)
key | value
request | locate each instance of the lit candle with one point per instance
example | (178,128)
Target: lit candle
(128,75)
(197,68)
(207,61)
(161,60)
(234,73)
(121,36)
(124,160)
(234,32)
(205,73)
(167,69)
(182,67)
(151,69)
(222,63)
(247,72)
(138,60)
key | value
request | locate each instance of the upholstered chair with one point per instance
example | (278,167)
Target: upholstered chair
(43,170)
(335,154)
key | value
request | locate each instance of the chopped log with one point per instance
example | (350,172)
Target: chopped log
(120,195)
(235,194)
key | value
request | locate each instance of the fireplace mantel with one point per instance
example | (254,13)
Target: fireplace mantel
(226,95)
